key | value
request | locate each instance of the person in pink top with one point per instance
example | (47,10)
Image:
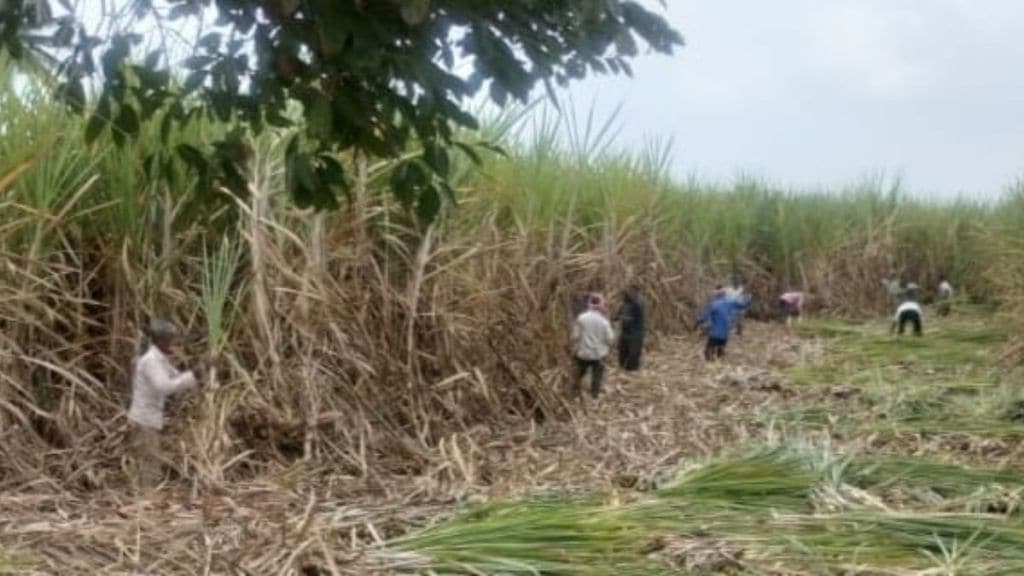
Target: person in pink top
(791,304)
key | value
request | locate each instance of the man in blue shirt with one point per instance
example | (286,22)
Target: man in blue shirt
(718,316)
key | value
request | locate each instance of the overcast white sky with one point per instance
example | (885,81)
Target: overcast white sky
(812,92)
(809,93)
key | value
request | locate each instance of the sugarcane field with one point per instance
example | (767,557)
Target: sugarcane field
(431,287)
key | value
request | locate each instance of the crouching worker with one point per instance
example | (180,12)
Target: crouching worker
(791,305)
(718,317)
(592,338)
(154,379)
(908,312)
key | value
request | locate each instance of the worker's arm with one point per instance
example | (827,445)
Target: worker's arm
(165,378)
(609,333)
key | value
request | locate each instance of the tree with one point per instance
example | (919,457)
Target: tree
(372,76)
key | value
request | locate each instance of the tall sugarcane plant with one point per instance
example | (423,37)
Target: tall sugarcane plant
(217,293)
(220,267)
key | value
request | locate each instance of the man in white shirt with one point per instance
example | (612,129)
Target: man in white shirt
(735,293)
(893,290)
(945,296)
(908,312)
(592,338)
(945,290)
(154,379)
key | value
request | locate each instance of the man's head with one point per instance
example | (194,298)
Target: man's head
(719,292)
(163,333)
(633,289)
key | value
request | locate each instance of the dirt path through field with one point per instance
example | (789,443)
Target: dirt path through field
(677,408)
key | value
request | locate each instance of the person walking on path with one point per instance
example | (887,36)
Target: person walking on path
(909,312)
(592,338)
(154,379)
(718,316)
(632,329)
(791,304)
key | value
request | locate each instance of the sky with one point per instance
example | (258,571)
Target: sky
(812,93)
(815,94)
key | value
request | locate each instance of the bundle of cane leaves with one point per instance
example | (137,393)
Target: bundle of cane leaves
(829,328)
(880,472)
(733,500)
(770,478)
(954,409)
(892,540)
(859,351)
(551,536)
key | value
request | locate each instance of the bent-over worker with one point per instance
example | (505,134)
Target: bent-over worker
(791,305)
(909,312)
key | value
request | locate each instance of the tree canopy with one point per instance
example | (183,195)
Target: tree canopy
(378,77)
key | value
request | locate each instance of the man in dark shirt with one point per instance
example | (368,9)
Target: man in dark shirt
(631,341)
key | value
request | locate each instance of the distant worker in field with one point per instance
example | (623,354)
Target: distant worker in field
(909,312)
(632,329)
(945,296)
(154,379)
(893,292)
(791,305)
(911,291)
(737,293)
(718,316)
(592,338)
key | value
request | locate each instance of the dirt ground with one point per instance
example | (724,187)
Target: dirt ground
(647,426)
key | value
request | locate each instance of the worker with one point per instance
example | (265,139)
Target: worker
(908,312)
(945,296)
(791,305)
(737,293)
(893,291)
(154,379)
(592,338)
(718,317)
(632,328)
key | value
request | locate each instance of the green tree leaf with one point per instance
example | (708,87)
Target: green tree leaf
(375,77)
(428,204)
(127,121)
